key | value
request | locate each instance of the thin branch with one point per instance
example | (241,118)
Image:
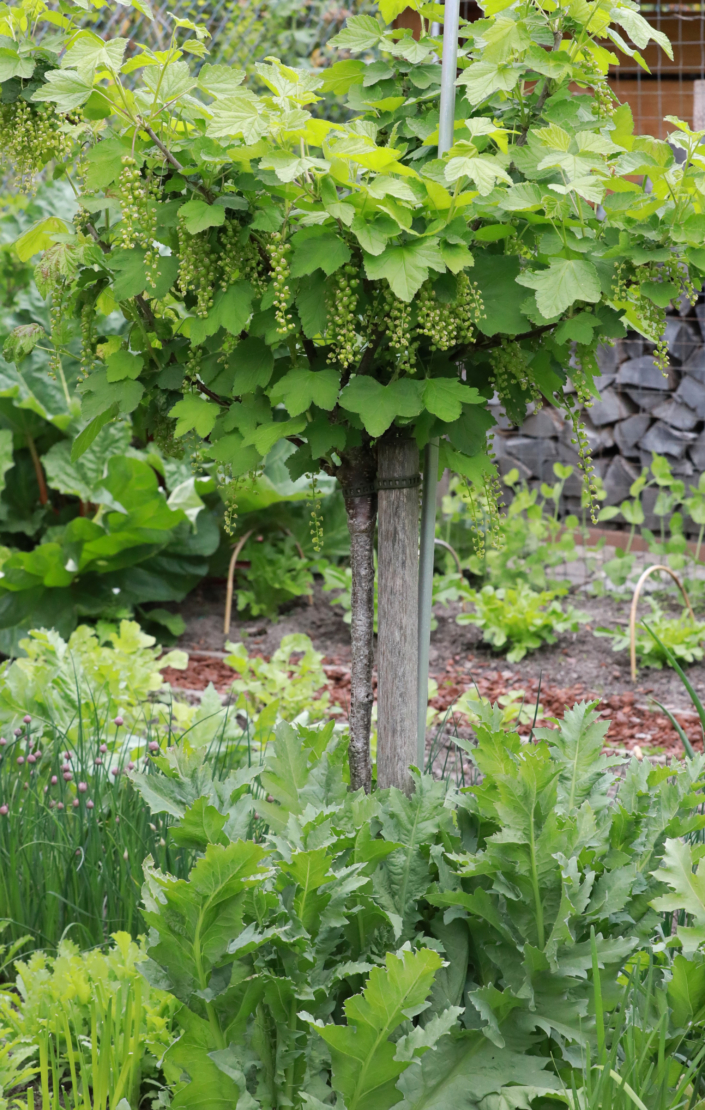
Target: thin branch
(213,396)
(172,160)
(364,364)
(543,96)
(310,349)
(103,246)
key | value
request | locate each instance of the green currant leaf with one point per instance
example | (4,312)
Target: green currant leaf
(405,266)
(99,395)
(65,89)
(325,252)
(361,32)
(194,413)
(123,364)
(660,292)
(198,215)
(21,342)
(231,310)
(39,237)
(378,405)
(311,305)
(444,397)
(254,362)
(341,75)
(300,388)
(566,281)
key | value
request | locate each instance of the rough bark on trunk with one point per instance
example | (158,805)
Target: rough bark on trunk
(397,640)
(357,476)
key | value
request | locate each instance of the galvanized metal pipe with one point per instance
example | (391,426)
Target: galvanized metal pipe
(446,126)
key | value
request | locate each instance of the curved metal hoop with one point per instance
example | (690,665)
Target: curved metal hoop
(635,602)
(454,553)
(231,573)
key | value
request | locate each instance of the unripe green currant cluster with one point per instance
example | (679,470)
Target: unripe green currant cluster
(448,325)
(56,315)
(139,217)
(604,99)
(509,364)
(88,338)
(278,250)
(436,320)
(198,268)
(627,286)
(316,521)
(579,440)
(238,259)
(342,316)
(397,324)
(29,138)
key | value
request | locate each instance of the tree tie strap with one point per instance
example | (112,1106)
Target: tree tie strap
(366,490)
(411,482)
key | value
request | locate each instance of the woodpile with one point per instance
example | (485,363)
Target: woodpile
(641,412)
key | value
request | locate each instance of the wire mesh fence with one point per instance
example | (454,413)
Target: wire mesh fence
(244,31)
(673,86)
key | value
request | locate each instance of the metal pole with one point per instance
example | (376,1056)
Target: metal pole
(449,68)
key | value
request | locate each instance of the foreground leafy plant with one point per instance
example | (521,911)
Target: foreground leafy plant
(331,911)
(521,618)
(96,1031)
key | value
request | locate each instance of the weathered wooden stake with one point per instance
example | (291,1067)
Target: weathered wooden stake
(397,640)
(358,477)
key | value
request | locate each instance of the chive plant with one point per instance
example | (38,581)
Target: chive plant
(74,831)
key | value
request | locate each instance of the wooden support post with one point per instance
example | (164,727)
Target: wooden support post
(397,640)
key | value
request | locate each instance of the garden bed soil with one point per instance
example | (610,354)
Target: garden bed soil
(579,666)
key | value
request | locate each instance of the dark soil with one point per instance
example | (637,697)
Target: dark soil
(579,666)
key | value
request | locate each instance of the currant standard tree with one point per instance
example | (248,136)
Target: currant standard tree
(332,281)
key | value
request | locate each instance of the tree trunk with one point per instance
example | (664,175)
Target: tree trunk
(357,476)
(397,640)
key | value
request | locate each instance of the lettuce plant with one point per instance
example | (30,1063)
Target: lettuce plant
(521,619)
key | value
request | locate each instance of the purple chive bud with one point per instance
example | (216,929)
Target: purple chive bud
(117,819)
(25,786)
(3,741)
(60,805)
(20,759)
(65,767)
(31,759)
(104,748)
(89,804)
(27,719)
(98,762)
(46,789)
(54,780)
(18,732)
(82,787)
(130,766)
(67,755)
(118,721)
(52,803)
(115,771)
(76,803)
(67,776)
(37,755)
(4,810)
(153,746)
